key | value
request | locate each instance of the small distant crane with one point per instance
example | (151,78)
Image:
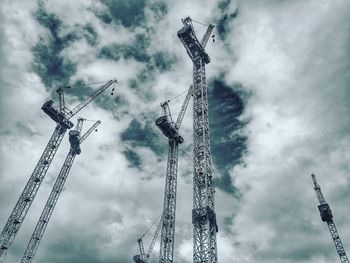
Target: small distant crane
(327,216)
(75,141)
(61,117)
(171,130)
(144,257)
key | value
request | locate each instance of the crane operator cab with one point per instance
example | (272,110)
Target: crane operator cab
(193,46)
(74,140)
(138,259)
(169,129)
(326,213)
(57,116)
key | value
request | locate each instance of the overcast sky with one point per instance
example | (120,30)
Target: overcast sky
(279,98)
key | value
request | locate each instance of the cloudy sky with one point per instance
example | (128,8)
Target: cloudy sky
(279,98)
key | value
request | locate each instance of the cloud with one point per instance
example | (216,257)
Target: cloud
(228,144)
(128,13)
(278,102)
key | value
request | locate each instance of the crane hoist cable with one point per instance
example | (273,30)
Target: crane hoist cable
(180,94)
(200,23)
(154,222)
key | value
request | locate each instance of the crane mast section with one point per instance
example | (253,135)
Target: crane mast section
(337,242)
(48,209)
(24,202)
(169,207)
(203,213)
(75,141)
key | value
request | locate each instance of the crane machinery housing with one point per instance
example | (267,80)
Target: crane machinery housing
(203,213)
(171,130)
(327,216)
(61,117)
(75,141)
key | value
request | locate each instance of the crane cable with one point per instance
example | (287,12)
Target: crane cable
(154,222)
(178,95)
(90,120)
(199,22)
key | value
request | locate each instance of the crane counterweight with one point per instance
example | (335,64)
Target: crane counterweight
(55,115)
(169,129)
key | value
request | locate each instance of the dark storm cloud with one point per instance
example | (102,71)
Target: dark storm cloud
(160,9)
(90,34)
(137,50)
(134,159)
(163,61)
(48,63)
(129,13)
(153,63)
(222,24)
(159,62)
(226,105)
(144,135)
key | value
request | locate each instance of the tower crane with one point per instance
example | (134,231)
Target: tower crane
(327,216)
(61,117)
(203,213)
(171,131)
(144,257)
(75,141)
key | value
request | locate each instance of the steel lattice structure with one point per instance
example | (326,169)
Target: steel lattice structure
(167,236)
(327,216)
(17,216)
(203,213)
(75,141)
(61,117)
(170,129)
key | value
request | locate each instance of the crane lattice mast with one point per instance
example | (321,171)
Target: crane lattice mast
(61,117)
(327,216)
(75,141)
(203,213)
(171,131)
